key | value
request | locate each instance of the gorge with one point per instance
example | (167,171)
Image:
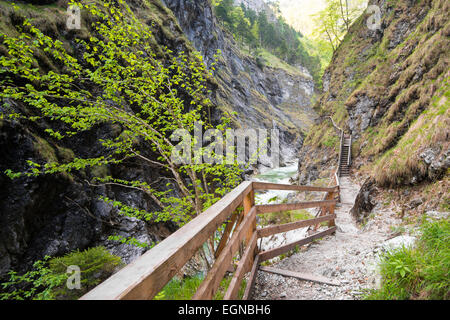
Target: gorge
(387,88)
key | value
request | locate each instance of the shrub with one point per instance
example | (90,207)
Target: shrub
(421,272)
(185,289)
(47,280)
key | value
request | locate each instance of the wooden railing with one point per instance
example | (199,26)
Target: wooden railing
(147,276)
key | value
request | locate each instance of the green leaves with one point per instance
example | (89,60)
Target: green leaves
(119,82)
(399,267)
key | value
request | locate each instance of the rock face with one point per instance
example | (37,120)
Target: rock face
(263,98)
(386,88)
(53,215)
(436,160)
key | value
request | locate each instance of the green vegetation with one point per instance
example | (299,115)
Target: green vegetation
(121,81)
(185,289)
(256,32)
(284,217)
(421,272)
(273,61)
(333,22)
(402,162)
(47,280)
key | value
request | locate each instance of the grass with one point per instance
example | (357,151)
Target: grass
(421,272)
(274,62)
(284,217)
(185,289)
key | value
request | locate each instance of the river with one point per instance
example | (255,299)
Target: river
(279,175)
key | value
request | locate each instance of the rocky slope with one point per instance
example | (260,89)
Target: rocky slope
(52,215)
(263,97)
(389,89)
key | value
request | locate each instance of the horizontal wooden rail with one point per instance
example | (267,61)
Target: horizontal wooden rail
(274,186)
(272,253)
(268,231)
(270,208)
(146,276)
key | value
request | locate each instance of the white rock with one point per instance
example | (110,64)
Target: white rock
(398,242)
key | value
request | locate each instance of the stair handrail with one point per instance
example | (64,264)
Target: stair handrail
(349,160)
(341,144)
(335,125)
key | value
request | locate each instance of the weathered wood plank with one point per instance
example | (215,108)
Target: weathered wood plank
(249,202)
(270,208)
(243,266)
(268,231)
(145,277)
(269,254)
(332,222)
(226,233)
(209,286)
(275,186)
(252,278)
(301,275)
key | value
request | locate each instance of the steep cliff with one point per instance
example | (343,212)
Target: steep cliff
(389,89)
(263,97)
(55,214)
(52,215)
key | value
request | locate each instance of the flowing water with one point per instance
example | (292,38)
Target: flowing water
(281,176)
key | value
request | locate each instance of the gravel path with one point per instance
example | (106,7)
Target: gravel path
(349,256)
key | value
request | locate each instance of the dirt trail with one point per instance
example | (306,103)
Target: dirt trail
(349,256)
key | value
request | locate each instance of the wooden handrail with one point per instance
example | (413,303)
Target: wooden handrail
(340,153)
(212,281)
(147,276)
(272,253)
(268,231)
(275,186)
(349,160)
(270,208)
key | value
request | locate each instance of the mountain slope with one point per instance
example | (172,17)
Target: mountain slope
(389,89)
(263,97)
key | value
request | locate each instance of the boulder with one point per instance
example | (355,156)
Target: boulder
(364,201)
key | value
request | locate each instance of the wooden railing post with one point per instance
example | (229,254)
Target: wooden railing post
(145,277)
(332,223)
(249,202)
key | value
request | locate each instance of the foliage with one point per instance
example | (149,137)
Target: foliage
(257,31)
(333,22)
(184,289)
(119,80)
(178,289)
(421,272)
(47,280)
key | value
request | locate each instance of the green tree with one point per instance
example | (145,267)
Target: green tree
(119,80)
(335,19)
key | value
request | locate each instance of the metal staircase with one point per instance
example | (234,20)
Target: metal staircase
(345,157)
